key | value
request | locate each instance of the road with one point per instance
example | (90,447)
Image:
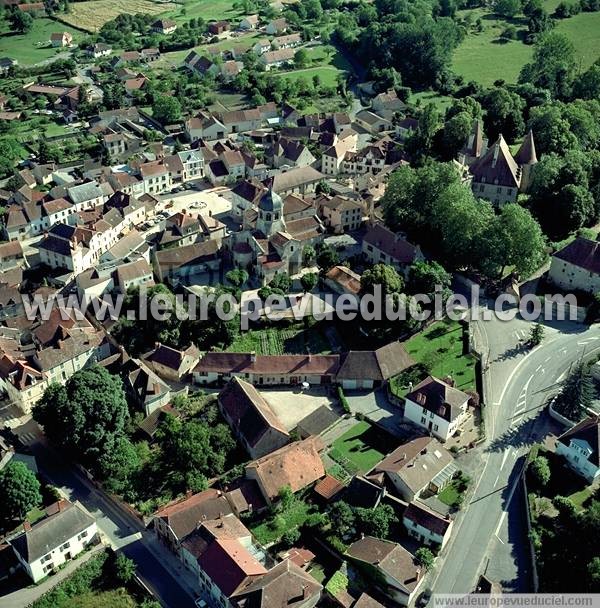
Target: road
(489,534)
(160,571)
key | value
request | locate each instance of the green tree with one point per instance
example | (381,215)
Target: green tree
(376,522)
(86,417)
(423,277)
(290,537)
(21,21)
(507,8)
(536,334)
(237,277)
(20,491)
(576,394)
(309,281)
(166,109)
(301,58)
(503,113)
(342,517)
(327,257)
(118,466)
(281,281)
(308,255)
(553,66)
(385,276)
(425,557)
(124,568)
(540,470)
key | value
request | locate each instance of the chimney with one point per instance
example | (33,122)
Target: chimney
(253,357)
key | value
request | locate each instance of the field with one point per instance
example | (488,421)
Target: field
(326,66)
(361,447)
(206,9)
(34,46)
(280,340)
(115,598)
(484,58)
(92,15)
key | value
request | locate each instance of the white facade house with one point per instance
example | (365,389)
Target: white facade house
(426,525)
(580,446)
(57,538)
(437,407)
(576,267)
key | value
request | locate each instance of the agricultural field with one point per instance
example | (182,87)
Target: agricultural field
(327,65)
(93,14)
(33,47)
(484,58)
(205,9)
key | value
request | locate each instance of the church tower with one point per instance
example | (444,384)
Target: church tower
(270,214)
(526,159)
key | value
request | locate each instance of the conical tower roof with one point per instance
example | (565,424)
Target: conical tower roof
(526,154)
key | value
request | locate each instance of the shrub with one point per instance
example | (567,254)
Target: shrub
(540,470)
(290,537)
(343,400)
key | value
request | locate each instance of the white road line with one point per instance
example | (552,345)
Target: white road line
(538,368)
(506,454)
(561,377)
(517,420)
(500,523)
(499,539)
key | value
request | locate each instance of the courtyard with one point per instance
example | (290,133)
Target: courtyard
(292,406)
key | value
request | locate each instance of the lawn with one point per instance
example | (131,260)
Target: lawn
(34,46)
(450,495)
(426,97)
(326,65)
(360,448)
(272,529)
(484,58)
(93,14)
(282,340)
(440,349)
(207,10)
(114,598)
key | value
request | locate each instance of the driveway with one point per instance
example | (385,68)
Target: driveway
(292,406)
(375,406)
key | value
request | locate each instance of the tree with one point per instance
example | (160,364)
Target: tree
(593,571)
(383,275)
(587,84)
(281,281)
(301,58)
(423,277)
(237,277)
(166,109)
(118,465)
(308,255)
(309,281)
(540,470)
(327,257)
(504,113)
(342,517)
(576,394)
(86,416)
(536,334)
(21,21)
(20,491)
(290,537)
(425,557)
(375,522)
(553,66)
(507,8)
(124,568)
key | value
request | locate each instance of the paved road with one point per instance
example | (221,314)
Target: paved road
(490,533)
(163,574)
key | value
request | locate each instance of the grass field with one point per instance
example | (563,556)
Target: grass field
(34,46)
(483,58)
(439,347)
(207,9)
(92,15)
(361,447)
(115,598)
(273,529)
(326,65)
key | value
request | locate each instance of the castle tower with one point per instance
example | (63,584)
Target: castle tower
(526,159)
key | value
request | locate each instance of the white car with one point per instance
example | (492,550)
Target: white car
(200,603)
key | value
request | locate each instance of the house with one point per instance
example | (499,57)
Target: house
(341,280)
(176,521)
(436,406)
(576,267)
(420,466)
(498,176)
(389,566)
(250,22)
(251,419)
(216,28)
(286,584)
(340,214)
(172,364)
(134,275)
(290,153)
(299,180)
(156,177)
(241,121)
(164,26)
(287,42)
(33,8)
(204,126)
(144,387)
(426,525)
(361,369)
(11,255)
(382,246)
(277,26)
(61,39)
(6,63)
(179,265)
(262,46)
(297,466)
(266,370)
(373,123)
(275,59)
(62,534)
(200,64)
(387,102)
(100,49)
(332,160)
(150,55)
(230,69)
(580,447)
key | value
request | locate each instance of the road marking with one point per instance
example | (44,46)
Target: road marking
(504,458)
(500,522)
(538,368)
(499,539)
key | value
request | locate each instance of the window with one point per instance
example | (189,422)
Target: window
(499,190)
(435,427)
(82,535)
(47,568)
(65,546)
(423,420)
(45,558)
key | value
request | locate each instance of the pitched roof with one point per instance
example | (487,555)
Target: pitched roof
(587,430)
(392,244)
(378,365)
(583,253)
(416,462)
(184,515)
(65,521)
(229,565)
(439,397)
(390,558)
(249,413)
(366,601)
(286,584)
(295,177)
(526,154)
(296,465)
(497,166)
(345,277)
(328,487)
(420,514)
